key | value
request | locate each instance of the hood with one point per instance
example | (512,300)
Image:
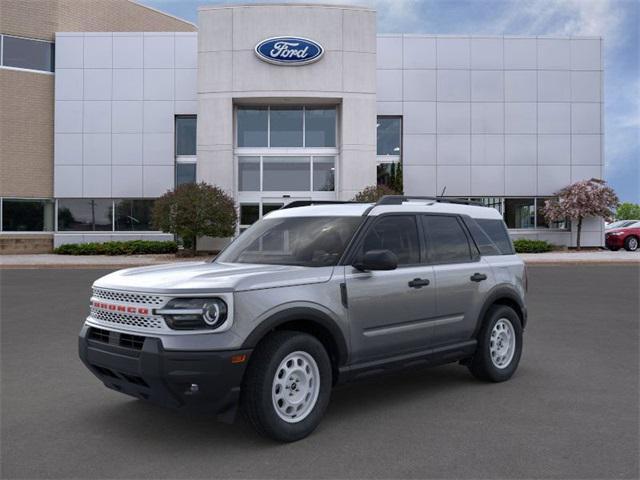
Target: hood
(205,277)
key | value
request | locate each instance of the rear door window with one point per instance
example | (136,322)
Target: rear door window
(446,239)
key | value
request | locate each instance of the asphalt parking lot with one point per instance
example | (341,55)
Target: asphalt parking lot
(571,411)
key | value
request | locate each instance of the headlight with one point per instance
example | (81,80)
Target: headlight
(194,313)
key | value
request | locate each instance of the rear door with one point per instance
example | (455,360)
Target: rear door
(390,311)
(462,278)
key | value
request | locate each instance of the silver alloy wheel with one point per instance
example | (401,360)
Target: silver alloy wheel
(503,343)
(633,244)
(296,386)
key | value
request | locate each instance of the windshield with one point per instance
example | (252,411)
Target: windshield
(621,224)
(303,241)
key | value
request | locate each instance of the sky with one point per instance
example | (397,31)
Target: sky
(617,21)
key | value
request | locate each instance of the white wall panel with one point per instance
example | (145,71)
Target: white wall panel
(456,179)
(586,54)
(96,149)
(554,118)
(487,149)
(156,180)
(554,54)
(67,181)
(389,85)
(68,149)
(389,52)
(158,149)
(520,53)
(520,149)
(585,86)
(585,118)
(487,180)
(127,84)
(158,51)
(454,117)
(419,117)
(419,85)
(419,52)
(487,117)
(453,52)
(96,181)
(97,84)
(127,117)
(126,149)
(126,181)
(68,116)
(69,50)
(554,150)
(554,86)
(454,149)
(520,118)
(127,51)
(586,150)
(487,85)
(96,116)
(521,85)
(158,117)
(420,180)
(520,180)
(98,51)
(487,53)
(68,84)
(158,84)
(419,149)
(454,86)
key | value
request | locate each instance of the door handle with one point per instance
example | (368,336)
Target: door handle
(478,277)
(419,283)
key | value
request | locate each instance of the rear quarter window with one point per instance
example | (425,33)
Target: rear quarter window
(496,232)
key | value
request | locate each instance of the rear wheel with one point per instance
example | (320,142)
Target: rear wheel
(287,386)
(631,244)
(499,345)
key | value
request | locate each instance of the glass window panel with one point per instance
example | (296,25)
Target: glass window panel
(22,215)
(134,215)
(397,233)
(519,212)
(84,215)
(286,173)
(26,53)
(447,242)
(186,135)
(542,221)
(390,175)
(249,174)
(285,125)
(249,213)
(324,169)
(320,127)
(389,132)
(185,173)
(270,207)
(252,126)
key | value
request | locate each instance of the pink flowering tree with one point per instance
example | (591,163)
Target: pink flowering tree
(586,198)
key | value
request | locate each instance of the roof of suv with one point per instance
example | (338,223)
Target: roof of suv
(359,209)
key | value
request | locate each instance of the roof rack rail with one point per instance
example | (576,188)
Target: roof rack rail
(399,199)
(308,203)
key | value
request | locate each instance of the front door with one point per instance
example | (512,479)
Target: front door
(390,311)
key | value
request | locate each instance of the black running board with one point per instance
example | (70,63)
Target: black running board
(430,357)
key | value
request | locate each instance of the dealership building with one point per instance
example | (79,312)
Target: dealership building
(273,103)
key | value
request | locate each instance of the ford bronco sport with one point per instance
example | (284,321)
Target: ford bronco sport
(308,297)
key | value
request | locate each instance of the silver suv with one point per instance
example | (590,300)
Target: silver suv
(308,297)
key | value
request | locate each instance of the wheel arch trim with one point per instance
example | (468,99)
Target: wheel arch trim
(502,295)
(308,315)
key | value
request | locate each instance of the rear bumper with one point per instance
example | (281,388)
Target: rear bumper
(140,367)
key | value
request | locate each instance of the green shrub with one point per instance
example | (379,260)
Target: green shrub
(132,247)
(524,245)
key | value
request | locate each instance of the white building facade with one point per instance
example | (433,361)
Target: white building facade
(504,120)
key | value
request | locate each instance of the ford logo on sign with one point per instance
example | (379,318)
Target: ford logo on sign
(289,51)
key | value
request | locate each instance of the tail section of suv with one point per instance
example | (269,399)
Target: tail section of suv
(309,297)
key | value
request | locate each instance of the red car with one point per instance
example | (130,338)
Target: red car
(627,237)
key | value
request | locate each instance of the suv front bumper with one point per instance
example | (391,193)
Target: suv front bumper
(139,366)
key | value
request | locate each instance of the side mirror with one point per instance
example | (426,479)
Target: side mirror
(377,260)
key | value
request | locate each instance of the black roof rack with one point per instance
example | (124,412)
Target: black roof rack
(308,203)
(399,199)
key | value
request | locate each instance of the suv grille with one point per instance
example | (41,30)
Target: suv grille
(123,319)
(138,298)
(99,335)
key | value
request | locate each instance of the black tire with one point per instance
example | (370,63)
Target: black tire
(631,243)
(256,398)
(481,365)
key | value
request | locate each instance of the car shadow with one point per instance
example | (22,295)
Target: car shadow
(158,426)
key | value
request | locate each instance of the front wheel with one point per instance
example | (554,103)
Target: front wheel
(287,386)
(499,345)
(631,244)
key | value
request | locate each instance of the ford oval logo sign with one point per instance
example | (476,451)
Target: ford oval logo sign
(289,51)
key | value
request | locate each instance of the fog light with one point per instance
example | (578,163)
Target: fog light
(193,389)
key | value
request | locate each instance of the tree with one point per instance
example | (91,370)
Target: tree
(195,210)
(628,211)
(586,198)
(373,193)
